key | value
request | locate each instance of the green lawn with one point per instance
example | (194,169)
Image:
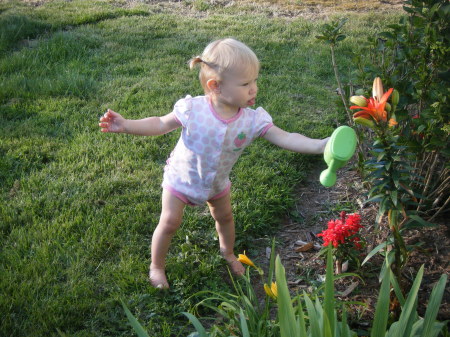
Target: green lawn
(78,207)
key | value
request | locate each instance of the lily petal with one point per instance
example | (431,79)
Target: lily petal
(377,88)
(392,122)
(365,114)
(274,289)
(386,95)
(244,259)
(269,291)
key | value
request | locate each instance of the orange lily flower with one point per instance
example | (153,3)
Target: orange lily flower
(375,109)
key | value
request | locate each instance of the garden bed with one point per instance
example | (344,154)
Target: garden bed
(315,206)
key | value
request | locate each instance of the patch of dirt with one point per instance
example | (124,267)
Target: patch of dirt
(315,206)
(310,9)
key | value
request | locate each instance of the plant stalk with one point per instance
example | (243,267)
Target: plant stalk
(341,91)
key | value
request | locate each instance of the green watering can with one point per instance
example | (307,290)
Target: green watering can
(339,149)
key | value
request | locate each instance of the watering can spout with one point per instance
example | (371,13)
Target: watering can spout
(328,177)
(339,149)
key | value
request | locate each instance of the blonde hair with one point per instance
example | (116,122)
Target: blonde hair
(222,56)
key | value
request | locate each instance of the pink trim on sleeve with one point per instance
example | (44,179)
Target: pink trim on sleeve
(177,120)
(263,132)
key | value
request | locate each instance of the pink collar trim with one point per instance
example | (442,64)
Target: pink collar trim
(226,121)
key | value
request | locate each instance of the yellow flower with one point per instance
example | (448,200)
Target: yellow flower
(245,260)
(271,291)
(274,289)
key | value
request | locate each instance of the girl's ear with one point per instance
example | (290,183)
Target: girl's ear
(213,85)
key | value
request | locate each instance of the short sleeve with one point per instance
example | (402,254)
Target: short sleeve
(182,110)
(263,122)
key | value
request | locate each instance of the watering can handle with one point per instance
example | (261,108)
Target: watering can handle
(338,151)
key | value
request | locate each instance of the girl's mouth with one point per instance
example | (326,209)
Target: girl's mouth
(251,102)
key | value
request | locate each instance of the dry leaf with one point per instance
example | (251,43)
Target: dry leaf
(350,288)
(305,248)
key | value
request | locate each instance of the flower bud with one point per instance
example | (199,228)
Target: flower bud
(387,107)
(377,88)
(395,98)
(269,291)
(358,100)
(364,121)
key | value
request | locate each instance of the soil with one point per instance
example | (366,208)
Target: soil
(315,206)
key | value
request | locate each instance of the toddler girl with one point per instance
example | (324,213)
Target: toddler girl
(216,128)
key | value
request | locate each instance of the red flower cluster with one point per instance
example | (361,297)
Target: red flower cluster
(343,230)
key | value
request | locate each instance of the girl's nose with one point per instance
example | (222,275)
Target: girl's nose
(253,89)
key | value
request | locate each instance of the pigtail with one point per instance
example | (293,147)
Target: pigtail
(194,61)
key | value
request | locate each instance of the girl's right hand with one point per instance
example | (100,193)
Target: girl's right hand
(112,122)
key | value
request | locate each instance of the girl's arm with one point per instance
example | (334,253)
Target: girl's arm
(151,126)
(295,141)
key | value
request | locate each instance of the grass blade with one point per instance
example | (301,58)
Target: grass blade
(134,322)
(196,323)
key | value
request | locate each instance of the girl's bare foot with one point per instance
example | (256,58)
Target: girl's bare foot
(158,278)
(235,266)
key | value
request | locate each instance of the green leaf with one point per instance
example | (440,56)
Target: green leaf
(285,310)
(345,331)
(382,309)
(389,259)
(433,307)
(340,38)
(301,318)
(244,326)
(397,290)
(375,250)
(409,307)
(313,318)
(376,198)
(394,198)
(326,326)
(272,263)
(417,221)
(387,35)
(140,331)
(329,290)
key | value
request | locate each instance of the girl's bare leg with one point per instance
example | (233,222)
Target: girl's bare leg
(169,222)
(221,212)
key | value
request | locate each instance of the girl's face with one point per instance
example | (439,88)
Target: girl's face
(239,89)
